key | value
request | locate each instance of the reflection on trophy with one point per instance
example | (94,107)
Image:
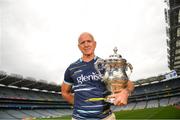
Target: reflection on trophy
(114,72)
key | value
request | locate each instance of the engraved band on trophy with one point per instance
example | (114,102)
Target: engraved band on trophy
(114,72)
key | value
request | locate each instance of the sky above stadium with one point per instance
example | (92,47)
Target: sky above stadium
(38,38)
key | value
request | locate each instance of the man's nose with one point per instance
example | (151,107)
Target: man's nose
(86,44)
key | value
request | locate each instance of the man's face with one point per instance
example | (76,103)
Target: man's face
(86,44)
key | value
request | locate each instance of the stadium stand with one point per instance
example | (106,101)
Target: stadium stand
(26,97)
(17,101)
(164,102)
(172,18)
(152,103)
(152,94)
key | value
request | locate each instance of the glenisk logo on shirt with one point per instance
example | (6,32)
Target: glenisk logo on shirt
(93,76)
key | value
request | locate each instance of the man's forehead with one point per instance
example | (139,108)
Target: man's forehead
(85,36)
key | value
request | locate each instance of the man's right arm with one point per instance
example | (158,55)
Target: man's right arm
(66,93)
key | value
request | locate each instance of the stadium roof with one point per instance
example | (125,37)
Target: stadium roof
(31,83)
(149,80)
(28,82)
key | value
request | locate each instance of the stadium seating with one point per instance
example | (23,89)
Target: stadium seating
(28,100)
(152,104)
(164,102)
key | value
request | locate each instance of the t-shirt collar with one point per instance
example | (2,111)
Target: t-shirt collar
(81,60)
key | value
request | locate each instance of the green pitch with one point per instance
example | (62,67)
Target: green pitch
(152,113)
(169,112)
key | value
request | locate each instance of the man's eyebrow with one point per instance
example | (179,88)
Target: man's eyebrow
(86,40)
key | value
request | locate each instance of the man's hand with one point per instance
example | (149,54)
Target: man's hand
(120,95)
(120,98)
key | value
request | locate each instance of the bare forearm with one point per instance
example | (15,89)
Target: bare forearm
(67,94)
(69,97)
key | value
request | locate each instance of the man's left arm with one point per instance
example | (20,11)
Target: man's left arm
(121,98)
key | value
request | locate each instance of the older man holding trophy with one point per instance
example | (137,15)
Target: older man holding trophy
(96,83)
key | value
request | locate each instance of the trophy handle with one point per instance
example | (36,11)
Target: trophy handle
(130,68)
(97,64)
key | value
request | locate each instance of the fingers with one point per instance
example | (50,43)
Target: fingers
(111,96)
(116,100)
(119,99)
(116,91)
(120,102)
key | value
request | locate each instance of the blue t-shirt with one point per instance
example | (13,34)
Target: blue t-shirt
(86,83)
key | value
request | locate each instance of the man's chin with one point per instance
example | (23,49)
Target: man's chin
(88,54)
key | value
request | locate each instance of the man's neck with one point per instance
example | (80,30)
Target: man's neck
(87,58)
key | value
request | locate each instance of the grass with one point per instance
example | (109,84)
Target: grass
(151,113)
(169,112)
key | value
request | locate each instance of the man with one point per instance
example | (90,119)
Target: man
(82,82)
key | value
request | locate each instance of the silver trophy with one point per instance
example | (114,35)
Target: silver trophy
(114,71)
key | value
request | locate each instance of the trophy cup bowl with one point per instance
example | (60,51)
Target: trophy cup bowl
(113,72)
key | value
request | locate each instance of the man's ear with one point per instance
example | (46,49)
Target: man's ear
(79,47)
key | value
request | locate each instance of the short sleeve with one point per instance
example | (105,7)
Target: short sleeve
(67,77)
